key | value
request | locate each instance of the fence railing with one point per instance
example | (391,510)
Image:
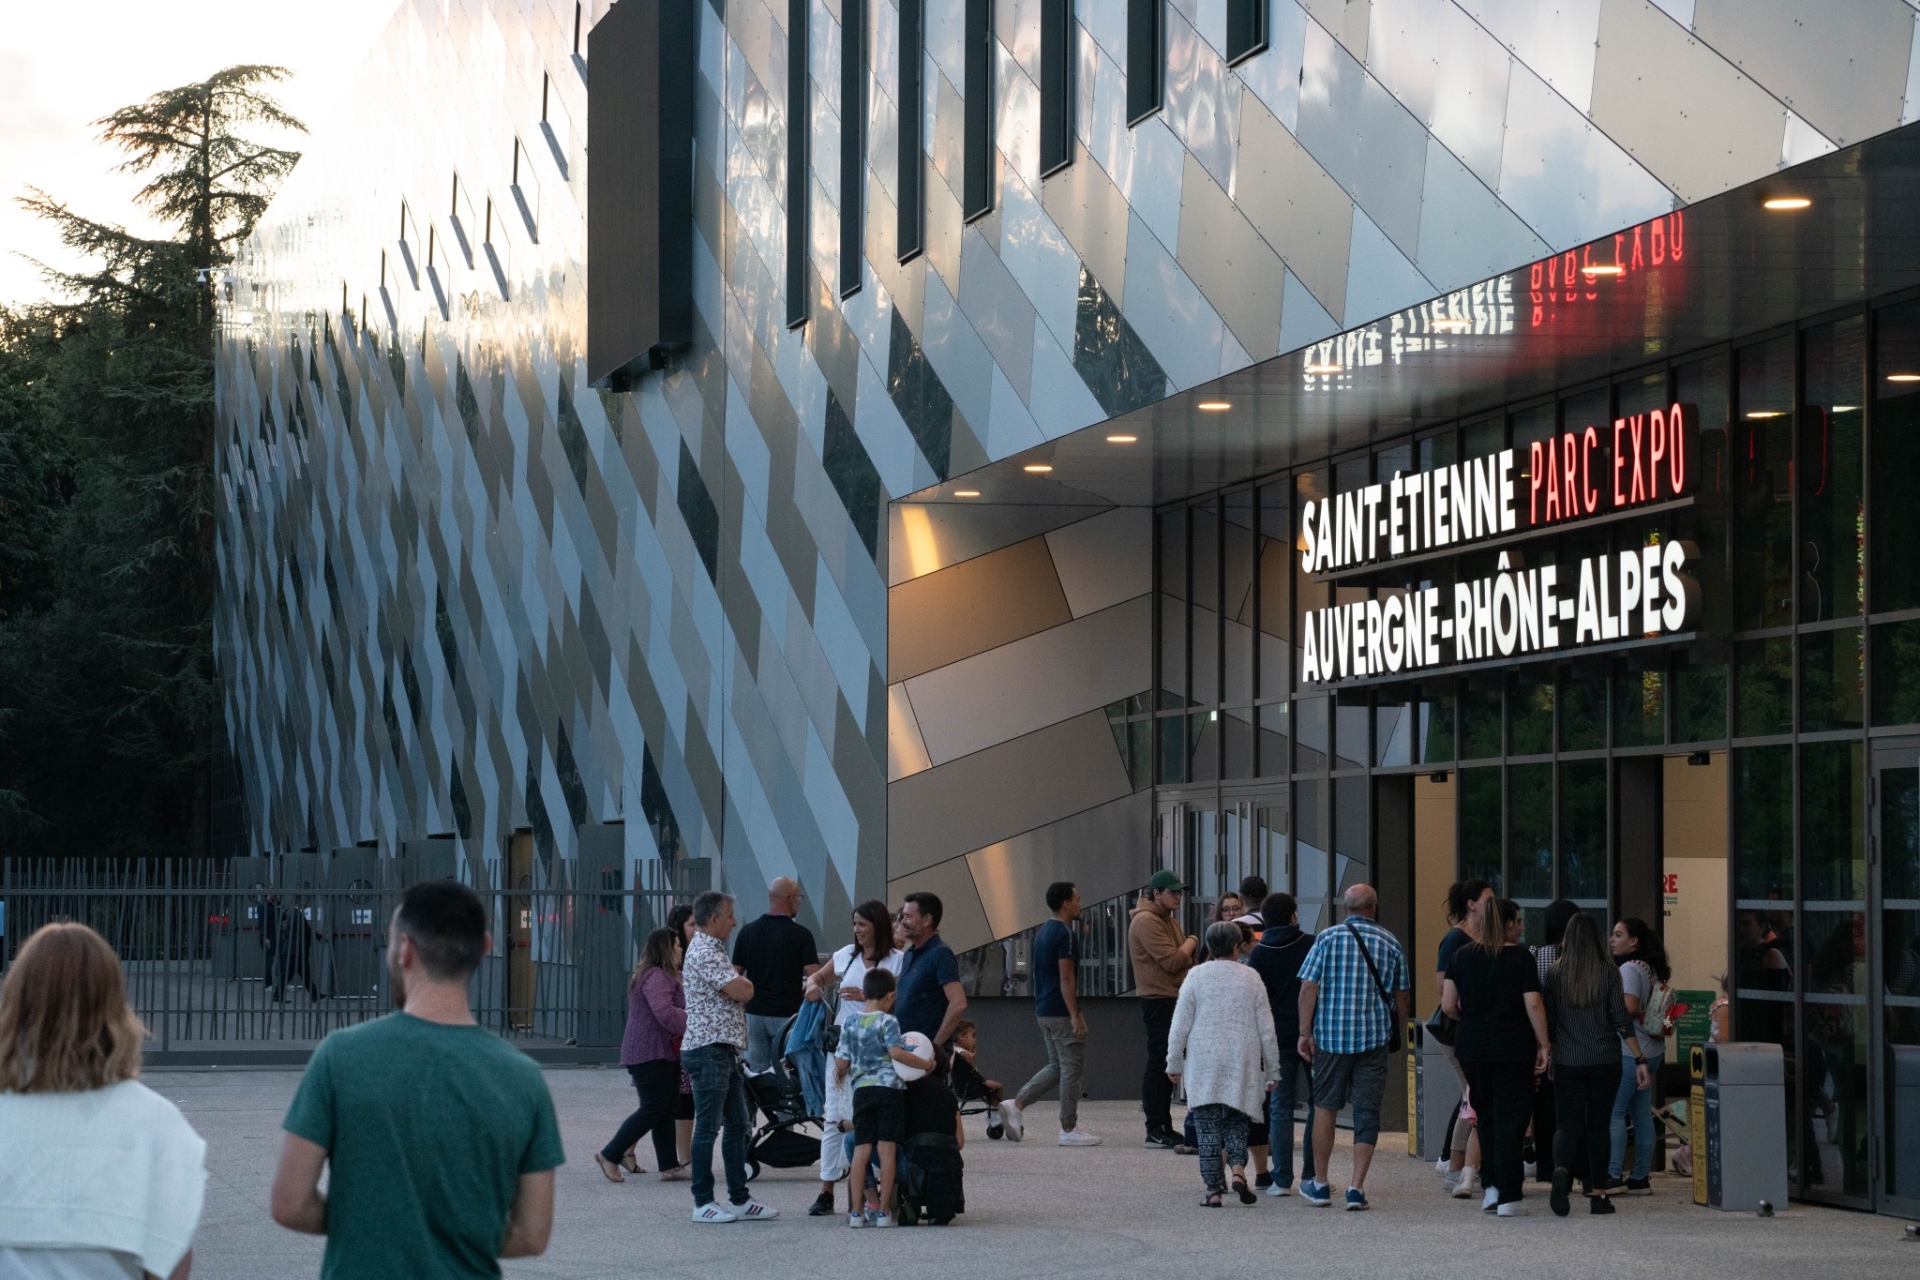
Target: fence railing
(1005,968)
(287,949)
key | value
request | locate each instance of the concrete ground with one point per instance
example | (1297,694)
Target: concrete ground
(1036,1209)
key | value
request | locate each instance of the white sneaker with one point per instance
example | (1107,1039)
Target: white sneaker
(712,1212)
(1078,1138)
(882,1220)
(754,1211)
(1013,1121)
(1440,1167)
(1468,1185)
(1275,1189)
(1491,1200)
(1513,1209)
(1450,1180)
(856,1220)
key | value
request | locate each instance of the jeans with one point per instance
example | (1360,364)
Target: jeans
(1221,1131)
(1631,1102)
(719,1110)
(1280,1120)
(1583,1098)
(810,1064)
(658,1084)
(764,1041)
(1503,1100)
(1066,1063)
(1156,1091)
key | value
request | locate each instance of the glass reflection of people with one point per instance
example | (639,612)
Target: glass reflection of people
(1760,966)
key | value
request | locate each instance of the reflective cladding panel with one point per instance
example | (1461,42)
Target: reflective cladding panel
(675,595)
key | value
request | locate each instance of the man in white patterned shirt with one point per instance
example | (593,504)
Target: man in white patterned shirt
(716,1035)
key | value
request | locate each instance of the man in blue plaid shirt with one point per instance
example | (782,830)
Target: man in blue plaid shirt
(1346,1023)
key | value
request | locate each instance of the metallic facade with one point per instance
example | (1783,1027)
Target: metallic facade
(464,592)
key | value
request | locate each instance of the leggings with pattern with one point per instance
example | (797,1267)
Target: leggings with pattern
(1220,1128)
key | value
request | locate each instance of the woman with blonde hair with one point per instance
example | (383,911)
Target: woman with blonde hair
(69,1095)
(650,1051)
(1493,988)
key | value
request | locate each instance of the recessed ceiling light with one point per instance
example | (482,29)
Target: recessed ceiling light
(1903,377)
(1602,269)
(1781,204)
(1214,406)
(1766,413)
(966,493)
(1122,439)
(1325,368)
(1037,468)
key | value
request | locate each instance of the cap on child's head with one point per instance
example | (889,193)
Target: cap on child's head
(877,985)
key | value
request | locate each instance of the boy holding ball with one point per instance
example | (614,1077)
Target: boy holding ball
(869,1046)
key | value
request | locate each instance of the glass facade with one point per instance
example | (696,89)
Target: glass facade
(1797,687)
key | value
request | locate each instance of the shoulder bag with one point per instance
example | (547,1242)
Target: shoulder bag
(1394,1041)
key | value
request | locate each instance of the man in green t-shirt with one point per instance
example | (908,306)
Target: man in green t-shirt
(440,1135)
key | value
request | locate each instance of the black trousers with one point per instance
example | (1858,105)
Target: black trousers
(1156,1091)
(1583,1098)
(1503,1100)
(1544,1123)
(658,1084)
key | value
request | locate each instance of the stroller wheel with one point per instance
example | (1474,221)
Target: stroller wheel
(753,1168)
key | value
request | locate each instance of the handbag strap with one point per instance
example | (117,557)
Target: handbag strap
(1378,986)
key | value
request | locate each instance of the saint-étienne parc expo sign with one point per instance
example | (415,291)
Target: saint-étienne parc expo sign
(1645,459)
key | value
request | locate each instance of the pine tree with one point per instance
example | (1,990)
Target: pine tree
(106,665)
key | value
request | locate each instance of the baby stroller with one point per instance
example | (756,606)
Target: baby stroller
(786,1137)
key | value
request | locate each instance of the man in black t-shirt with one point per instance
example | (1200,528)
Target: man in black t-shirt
(776,952)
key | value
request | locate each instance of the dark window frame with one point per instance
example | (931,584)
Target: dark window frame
(1248,30)
(1146,58)
(976,164)
(853,144)
(1057,26)
(799,155)
(909,184)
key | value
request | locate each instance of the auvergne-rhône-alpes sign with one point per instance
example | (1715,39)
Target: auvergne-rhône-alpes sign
(1644,460)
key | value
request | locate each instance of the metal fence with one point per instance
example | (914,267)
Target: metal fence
(285,949)
(1005,968)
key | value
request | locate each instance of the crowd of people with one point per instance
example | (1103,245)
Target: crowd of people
(437,1140)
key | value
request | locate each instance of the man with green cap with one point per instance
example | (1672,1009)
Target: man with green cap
(1161,955)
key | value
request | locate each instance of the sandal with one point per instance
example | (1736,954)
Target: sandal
(1211,1201)
(1245,1193)
(631,1163)
(679,1173)
(609,1168)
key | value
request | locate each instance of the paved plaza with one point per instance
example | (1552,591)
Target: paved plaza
(1036,1210)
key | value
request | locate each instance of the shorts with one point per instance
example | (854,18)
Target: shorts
(879,1115)
(1357,1078)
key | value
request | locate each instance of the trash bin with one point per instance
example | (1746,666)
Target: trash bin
(1433,1094)
(1745,1091)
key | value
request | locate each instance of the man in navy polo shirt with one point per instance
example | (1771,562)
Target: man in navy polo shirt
(930,998)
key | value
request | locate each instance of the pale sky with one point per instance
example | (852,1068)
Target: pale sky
(65,63)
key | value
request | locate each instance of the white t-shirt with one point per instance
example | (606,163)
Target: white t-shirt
(850,970)
(68,1264)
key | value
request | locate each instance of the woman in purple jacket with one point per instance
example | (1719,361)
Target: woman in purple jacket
(650,1051)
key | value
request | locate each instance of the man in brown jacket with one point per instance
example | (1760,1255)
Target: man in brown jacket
(1161,955)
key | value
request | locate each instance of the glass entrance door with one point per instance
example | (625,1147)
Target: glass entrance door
(1896,963)
(1213,844)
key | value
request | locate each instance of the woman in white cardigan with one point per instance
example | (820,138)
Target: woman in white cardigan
(103,1178)
(1222,1043)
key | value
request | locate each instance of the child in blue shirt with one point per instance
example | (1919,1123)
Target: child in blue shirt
(870,1044)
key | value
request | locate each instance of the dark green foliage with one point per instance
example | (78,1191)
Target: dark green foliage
(107,437)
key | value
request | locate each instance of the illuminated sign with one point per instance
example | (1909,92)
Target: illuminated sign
(1640,461)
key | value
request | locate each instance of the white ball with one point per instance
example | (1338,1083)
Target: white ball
(920,1045)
